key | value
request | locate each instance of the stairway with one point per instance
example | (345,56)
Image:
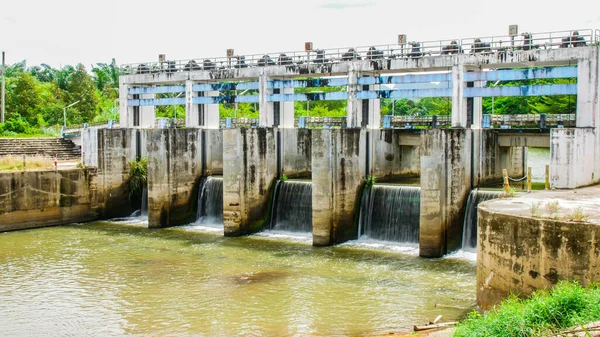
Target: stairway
(47,147)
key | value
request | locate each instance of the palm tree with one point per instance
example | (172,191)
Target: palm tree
(106,75)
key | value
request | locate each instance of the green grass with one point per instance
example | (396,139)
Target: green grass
(544,313)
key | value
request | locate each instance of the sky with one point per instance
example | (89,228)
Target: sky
(60,32)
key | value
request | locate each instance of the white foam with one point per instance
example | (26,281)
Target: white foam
(396,247)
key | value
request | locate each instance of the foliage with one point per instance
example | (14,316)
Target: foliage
(81,88)
(284,177)
(545,312)
(138,176)
(577,215)
(370,180)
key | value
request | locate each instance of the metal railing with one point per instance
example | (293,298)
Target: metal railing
(481,45)
(495,121)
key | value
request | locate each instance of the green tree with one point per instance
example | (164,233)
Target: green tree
(106,76)
(81,88)
(24,97)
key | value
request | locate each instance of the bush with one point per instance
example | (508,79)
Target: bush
(138,177)
(545,312)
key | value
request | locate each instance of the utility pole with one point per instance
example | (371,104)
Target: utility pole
(3,93)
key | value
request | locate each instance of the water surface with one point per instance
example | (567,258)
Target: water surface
(113,279)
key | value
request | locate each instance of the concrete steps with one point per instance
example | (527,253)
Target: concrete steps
(47,147)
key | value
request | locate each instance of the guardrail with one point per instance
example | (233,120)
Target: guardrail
(479,45)
(489,121)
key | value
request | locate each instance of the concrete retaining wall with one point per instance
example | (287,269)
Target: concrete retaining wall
(296,152)
(213,143)
(519,254)
(47,198)
(249,174)
(338,174)
(486,158)
(174,170)
(445,186)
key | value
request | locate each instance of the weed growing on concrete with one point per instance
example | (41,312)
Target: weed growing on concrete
(138,176)
(535,209)
(546,312)
(577,215)
(370,180)
(510,194)
(553,208)
(283,178)
(15,163)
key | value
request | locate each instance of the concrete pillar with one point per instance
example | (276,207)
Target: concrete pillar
(125,111)
(174,171)
(286,118)
(338,174)
(147,113)
(211,112)
(477,108)
(191,109)
(354,119)
(249,175)
(459,102)
(445,186)
(374,119)
(588,91)
(265,117)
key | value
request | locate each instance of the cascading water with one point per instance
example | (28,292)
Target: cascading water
(144,208)
(390,213)
(210,201)
(469,240)
(292,208)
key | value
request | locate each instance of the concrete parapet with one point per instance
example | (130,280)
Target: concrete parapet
(388,159)
(174,170)
(518,253)
(338,174)
(36,199)
(249,174)
(445,186)
(295,145)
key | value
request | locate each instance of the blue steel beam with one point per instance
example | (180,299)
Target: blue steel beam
(522,74)
(163,89)
(224,99)
(310,83)
(423,78)
(156,101)
(321,96)
(525,90)
(408,93)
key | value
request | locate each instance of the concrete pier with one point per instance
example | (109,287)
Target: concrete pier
(174,169)
(338,174)
(249,175)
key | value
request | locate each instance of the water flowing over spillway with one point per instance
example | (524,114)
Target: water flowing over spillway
(210,201)
(469,241)
(144,207)
(292,208)
(390,213)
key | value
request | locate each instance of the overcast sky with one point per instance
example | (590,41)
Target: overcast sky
(60,32)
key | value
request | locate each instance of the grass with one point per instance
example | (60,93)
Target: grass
(138,176)
(15,163)
(546,312)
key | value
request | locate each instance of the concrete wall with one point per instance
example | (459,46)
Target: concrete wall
(213,145)
(174,171)
(47,198)
(338,174)
(116,147)
(520,254)
(574,157)
(445,186)
(388,160)
(296,152)
(514,159)
(249,174)
(89,146)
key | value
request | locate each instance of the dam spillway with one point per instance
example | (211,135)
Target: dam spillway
(292,208)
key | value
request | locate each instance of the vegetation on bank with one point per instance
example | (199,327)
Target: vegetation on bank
(545,313)
(15,163)
(138,177)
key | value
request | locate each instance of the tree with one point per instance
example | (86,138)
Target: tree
(106,76)
(24,97)
(81,88)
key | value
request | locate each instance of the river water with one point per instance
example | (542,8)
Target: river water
(116,278)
